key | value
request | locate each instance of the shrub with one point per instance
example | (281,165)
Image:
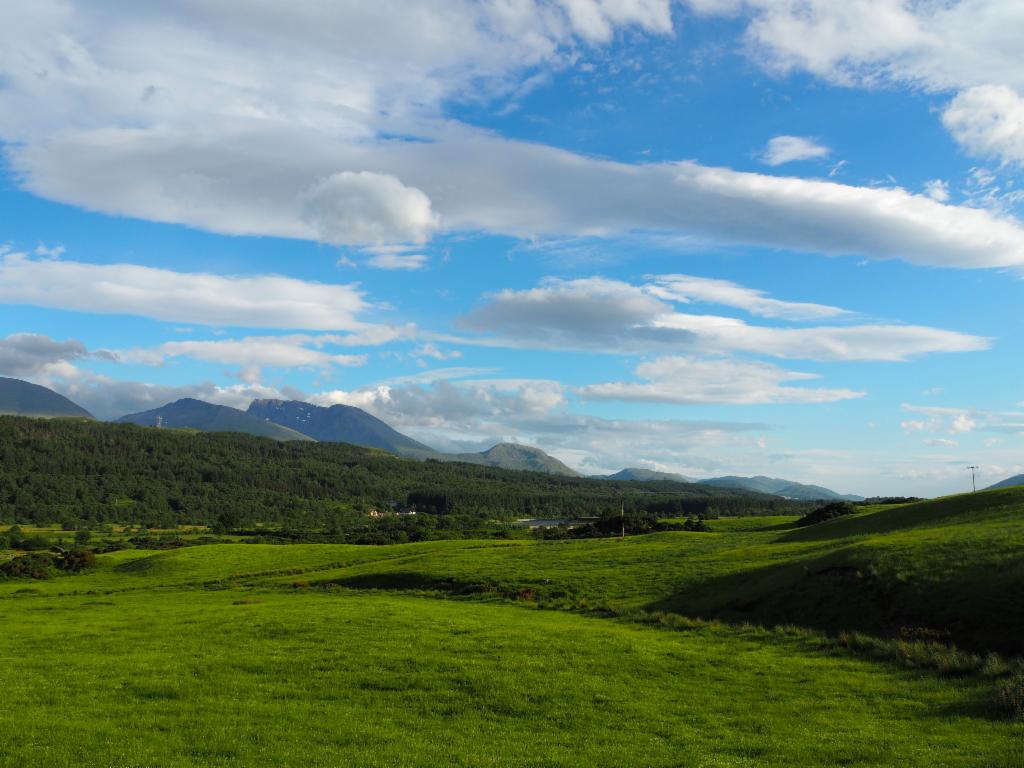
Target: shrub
(37,565)
(1009,698)
(695,524)
(828,512)
(76,560)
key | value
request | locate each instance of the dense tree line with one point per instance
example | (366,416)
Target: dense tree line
(81,473)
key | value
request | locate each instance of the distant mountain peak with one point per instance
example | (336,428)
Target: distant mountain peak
(641,474)
(23,398)
(338,423)
(777,486)
(516,456)
(190,413)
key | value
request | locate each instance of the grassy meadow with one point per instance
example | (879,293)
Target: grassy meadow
(727,648)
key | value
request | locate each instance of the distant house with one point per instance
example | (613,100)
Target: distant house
(375,513)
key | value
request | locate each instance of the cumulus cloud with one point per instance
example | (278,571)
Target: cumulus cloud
(972,46)
(937,189)
(367,208)
(989,121)
(38,357)
(689,380)
(261,301)
(475,414)
(788,149)
(614,316)
(319,135)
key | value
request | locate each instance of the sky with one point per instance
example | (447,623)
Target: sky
(777,237)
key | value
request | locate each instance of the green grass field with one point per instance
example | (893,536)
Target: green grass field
(525,653)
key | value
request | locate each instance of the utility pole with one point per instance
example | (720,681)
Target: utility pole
(974,484)
(622,519)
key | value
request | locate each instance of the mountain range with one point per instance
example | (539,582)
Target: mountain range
(207,417)
(779,487)
(298,420)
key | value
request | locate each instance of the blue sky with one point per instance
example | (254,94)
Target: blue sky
(711,237)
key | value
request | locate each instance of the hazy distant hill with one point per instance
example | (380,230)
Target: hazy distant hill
(207,417)
(645,475)
(338,424)
(1008,482)
(513,456)
(779,487)
(20,398)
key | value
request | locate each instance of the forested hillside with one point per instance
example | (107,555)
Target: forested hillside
(87,472)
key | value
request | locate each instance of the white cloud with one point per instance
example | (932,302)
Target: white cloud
(433,351)
(989,121)
(389,260)
(963,423)
(937,189)
(304,133)
(614,316)
(689,380)
(942,442)
(962,420)
(971,45)
(788,149)
(40,358)
(293,351)
(688,289)
(262,301)
(368,209)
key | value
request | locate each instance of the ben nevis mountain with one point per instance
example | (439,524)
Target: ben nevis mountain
(338,424)
(207,417)
(20,398)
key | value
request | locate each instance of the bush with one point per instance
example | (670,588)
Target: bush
(38,565)
(1009,698)
(828,512)
(77,560)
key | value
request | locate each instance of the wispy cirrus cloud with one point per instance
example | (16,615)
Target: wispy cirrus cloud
(615,316)
(789,149)
(692,381)
(260,301)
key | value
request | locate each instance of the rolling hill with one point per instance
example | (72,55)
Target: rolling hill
(188,413)
(514,456)
(21,398)
(338,424)
(1009,482)
(642,475)
(779,487)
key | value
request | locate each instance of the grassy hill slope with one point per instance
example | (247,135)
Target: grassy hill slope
(951,567)
(180,677)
